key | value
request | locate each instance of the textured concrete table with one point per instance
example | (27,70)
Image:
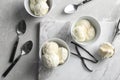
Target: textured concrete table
(12,11)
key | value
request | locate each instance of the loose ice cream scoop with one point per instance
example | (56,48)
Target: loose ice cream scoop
(106,50)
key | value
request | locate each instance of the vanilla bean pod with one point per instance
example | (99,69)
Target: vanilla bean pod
(84,58)
(85,50)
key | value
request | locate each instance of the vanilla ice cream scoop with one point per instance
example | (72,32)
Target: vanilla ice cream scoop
(106,50)
(63,54)
(91,33)
(50,61)
(50,48)
(32,5)
(41,0)
(39,7)
(84,22)
(79,33)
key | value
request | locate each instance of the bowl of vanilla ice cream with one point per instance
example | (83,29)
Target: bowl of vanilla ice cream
(38,8)
(85,30)
(54,52)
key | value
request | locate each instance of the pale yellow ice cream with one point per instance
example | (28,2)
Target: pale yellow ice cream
(84,22)
(50,61)
(106,50)
(84,31)
(39,7)
(80,33)
(50,48)
(41,0)
(63,54)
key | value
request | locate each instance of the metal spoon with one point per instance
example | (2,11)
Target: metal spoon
(71,8)
(26,48)
(20,30)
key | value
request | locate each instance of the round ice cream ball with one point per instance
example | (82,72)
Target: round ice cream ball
(41,8)
(90,33)
(33,2)
(32,7)
(63,54)
(50,48)
(80,33)
(106,50)
(41,0)
(84,22)
(50,61)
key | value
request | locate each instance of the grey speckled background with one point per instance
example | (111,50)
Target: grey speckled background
(12,11)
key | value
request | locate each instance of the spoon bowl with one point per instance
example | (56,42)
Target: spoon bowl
(21,27)
(71,8)
(26,48)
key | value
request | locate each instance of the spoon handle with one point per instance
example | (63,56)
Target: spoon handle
(14,50)
(11,66)
(85,1)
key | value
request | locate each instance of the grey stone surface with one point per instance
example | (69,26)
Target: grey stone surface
(12,11)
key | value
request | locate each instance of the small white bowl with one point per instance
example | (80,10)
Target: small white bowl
(60,42)
(27,7)
(96,26)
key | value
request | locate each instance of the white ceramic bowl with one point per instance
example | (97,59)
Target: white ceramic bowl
(96,26)
(27,7)
(60,42)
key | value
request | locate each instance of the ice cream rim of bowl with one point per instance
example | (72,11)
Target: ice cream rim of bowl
(94,23)
(60,42)
(27,8)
